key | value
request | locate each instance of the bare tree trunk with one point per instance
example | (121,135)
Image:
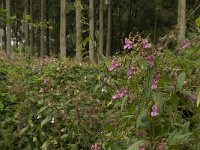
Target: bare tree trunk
(101,30)
(181,20)
(108,44)
(91,31)
(63,28)
(47,30)
(8,27)
(78,31)
(31,30)
(43,50)
(26,33)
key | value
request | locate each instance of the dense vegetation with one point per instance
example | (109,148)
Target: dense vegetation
(143,99)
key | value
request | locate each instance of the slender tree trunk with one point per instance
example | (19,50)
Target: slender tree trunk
(43,50)
(78,31)
(26,33)
(108,44)
(101,30)
(8,27)
(91,31)
(31,30)
(181,20)
(47,30)
(63,28)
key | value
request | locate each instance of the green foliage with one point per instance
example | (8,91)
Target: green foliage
(60,105)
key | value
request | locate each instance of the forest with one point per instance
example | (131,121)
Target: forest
(100,74)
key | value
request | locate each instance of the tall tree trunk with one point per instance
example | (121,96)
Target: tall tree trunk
(101,30)
(181,20)
(63,28)
(26,33)
(8,27)
(31,30)
(47,30)
(78,31)
(43,50)
(91,31)
(108,44)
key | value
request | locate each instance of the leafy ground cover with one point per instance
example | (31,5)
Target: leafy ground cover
(141,100)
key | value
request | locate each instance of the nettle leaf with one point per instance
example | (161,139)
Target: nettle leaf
(1,105)
(44,145)
(180,81)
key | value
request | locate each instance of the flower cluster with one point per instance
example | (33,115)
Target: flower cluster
(131,43)
(95,147)
(131,71)
(185,43)
(120,94)
(114,66)
(154,81)
(154,110)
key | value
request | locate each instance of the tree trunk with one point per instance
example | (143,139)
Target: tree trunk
(108,44)
(101,30)
(47,29)
(78,31)
(8,27)
(63,28)
(181,20)
(91,31)
(43,50)
(26,33)
(31,30)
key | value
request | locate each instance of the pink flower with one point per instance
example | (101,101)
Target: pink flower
(154,111)
(161,146)
(113,66)
(141,133)
(120,94)
(193,97)
(128,44)
(185,43)
(141,148)
(150,60)
(146,44)
(154,84)
(95,147)
(131,71)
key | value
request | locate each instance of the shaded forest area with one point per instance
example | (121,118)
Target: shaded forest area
(36,26)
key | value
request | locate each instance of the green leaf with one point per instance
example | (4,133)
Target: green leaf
(1,105)
(30,122)
(136,145)
(180,81)
(74,147)
(124,101)
(47,119)
(44,145)
(198,97)
(23,130)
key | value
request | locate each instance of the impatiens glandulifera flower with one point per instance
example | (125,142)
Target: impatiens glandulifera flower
(146,44)
(120,94)
(113,66)
(141,148)
(154,110)
(131,71)
(141,133)
(185,43)
(193,97)
(154,81)
(150,60)
(95,147)
(128,44)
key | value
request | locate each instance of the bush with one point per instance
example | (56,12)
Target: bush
(143,100)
